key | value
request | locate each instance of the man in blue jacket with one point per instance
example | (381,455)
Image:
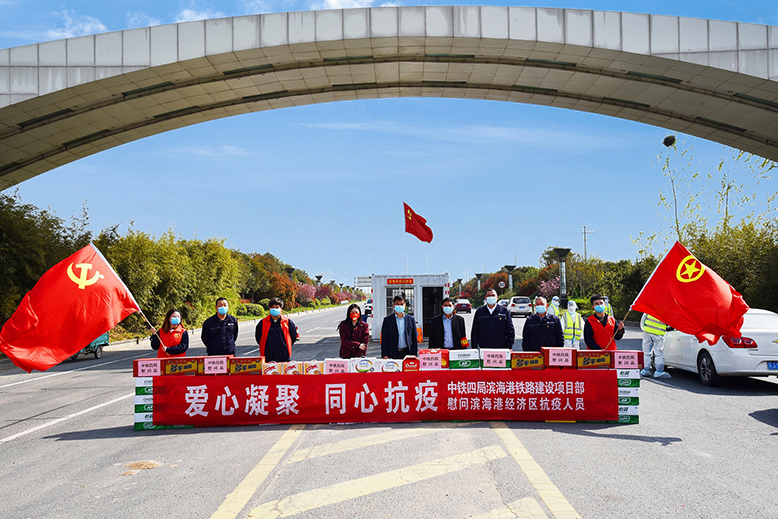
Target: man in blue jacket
(220,331)
(542,329)
(492,325)
(398,332)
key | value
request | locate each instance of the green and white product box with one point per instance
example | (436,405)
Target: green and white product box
(464,359)
(631,410)
(628,396)
(628,373)
(628,419)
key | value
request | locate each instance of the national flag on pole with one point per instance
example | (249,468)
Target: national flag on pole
(72,304)
(692,298)
(416,225)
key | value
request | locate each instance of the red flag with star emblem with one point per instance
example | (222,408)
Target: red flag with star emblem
(72,304)
(416,225)
(692,298)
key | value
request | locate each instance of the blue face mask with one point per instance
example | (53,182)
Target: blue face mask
(222,310)
(491,300)
(448,310)
(540,309)
(275,312)
(399,308)
(599,308)
(175,321)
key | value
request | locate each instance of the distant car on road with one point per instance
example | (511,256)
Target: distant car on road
(755,354)
(369,307)
(520,305)
(463,305)
(503,302)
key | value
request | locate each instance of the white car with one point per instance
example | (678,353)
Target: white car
(520,305)
(369,307)
(755,354)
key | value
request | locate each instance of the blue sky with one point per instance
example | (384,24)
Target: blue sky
(322,186)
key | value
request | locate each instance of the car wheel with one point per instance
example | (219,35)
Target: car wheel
(98,352)
(707,370)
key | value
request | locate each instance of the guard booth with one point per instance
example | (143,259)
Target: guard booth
(423,295)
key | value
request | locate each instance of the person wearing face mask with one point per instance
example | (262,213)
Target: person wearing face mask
(601,330)
(553,308)
(220,331)
(275,334)
(541,329)
(492,325)
(398,332)
(572,326)
(447,330)
(354,334)
(171,340)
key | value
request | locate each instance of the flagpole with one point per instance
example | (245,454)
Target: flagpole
(614,333)
(162,344)
(406,253)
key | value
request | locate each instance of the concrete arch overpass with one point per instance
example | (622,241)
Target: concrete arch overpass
(67,99)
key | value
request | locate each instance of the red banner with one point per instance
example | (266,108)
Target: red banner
(216,400)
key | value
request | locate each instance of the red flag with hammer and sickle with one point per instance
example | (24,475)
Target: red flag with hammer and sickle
(416,225)
(72,304)
(690,297)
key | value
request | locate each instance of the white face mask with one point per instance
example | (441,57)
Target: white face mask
(571,309)
(491,300)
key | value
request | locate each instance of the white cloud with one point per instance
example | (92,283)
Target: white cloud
(140,19)
(256,6)
(190,15)
(76,25)
(340,4)
(225,150)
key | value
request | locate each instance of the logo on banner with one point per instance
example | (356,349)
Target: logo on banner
(82,280)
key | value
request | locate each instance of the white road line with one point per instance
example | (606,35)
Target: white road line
(72,370)
(68,417)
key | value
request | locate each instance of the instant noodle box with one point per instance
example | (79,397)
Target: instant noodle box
(527,360)
(410,363)
(593,359)
(246,365)
(146,367)
(181,365)
(271,368)
(464,359)
(559,357)
(313,367)
(212,365)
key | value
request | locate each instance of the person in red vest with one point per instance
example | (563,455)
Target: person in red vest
(275,334)
(601,331)
(175,340)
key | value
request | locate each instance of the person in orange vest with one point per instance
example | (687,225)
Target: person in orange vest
(601,331)
(174,339)
(275,334)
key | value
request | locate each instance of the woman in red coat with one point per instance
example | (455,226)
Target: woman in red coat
(175,340)
(354,334)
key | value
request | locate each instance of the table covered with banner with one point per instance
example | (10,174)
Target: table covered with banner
(222,391)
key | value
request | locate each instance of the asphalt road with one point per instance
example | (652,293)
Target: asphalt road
(68,449)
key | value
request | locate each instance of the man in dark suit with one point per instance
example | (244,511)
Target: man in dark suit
(492,325)
(398,332)
(447,329)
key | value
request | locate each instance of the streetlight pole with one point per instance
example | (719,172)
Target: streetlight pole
(478,277)
(562,254)
(510,269)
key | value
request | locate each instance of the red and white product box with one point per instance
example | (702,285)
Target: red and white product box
(313,367)
(495,358)
(147,367)
(332,366)
(433,360)
(559,357)
(181,365)
(271,368)
(593,359)
(627,359)
(410,363)
(291,368)
(363,365)
(215,365)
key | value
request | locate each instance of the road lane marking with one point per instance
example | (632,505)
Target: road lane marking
(72,370)
(360,487)
(68,417)
(525,507)
(238,498)
(365,441)
(549,493)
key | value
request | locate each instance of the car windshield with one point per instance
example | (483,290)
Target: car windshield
(462,301)
(523,300)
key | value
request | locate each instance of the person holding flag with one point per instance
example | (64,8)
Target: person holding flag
(601,331)
(171,340)
(654,339)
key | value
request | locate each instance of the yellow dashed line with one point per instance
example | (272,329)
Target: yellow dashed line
(355,488)
(238,498)
(549,493)
(526,508)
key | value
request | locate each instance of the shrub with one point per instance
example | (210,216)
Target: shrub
(265,303)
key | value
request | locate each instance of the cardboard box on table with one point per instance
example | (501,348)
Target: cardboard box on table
(527,360)
(559,357)
(464,359)
(496,358)
(246,365)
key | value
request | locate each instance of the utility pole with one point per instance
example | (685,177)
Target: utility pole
(585,232)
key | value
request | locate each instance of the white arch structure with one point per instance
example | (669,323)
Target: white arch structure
(67,99)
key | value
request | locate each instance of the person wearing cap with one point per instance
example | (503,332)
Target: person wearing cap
(601,330)
(447,330)
(275,334)
(553,308)
(572,326)
(492,325)
(541,329)
(653,339)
